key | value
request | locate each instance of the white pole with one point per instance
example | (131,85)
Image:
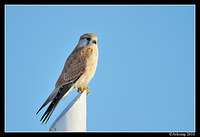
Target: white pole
(73,117)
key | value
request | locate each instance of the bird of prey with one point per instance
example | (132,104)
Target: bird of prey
(78,70)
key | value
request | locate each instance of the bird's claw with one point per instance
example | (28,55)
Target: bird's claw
(81,88)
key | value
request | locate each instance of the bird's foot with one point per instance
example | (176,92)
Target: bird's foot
(81,88)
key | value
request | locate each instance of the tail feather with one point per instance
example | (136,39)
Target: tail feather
(62,91)
(56,96)
(50,98)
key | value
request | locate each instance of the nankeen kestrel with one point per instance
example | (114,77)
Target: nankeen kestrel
(78,70)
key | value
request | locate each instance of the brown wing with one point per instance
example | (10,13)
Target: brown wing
(74,65)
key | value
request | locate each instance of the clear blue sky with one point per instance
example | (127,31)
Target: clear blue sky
(145,75)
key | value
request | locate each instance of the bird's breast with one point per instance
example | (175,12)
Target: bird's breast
(91,65)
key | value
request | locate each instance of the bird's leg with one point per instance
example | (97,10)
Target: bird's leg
(80,89)
(86,87)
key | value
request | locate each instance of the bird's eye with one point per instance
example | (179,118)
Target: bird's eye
(94,41)
(88,39)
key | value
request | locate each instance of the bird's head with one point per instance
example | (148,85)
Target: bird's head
(88,39)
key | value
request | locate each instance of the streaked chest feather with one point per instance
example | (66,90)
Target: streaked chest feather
(90,68)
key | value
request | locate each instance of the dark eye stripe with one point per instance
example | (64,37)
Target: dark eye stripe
(88,39)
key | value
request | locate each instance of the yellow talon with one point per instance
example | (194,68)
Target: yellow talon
(81,88)
(87,93)
(85,87)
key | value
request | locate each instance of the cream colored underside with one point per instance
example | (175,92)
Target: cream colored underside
(90,71)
